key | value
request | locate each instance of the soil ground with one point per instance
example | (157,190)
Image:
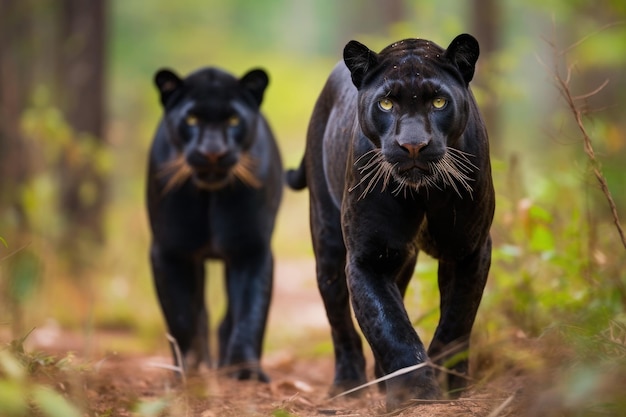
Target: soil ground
(136,384)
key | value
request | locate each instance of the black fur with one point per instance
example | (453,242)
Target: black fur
(407,108)
(214,187)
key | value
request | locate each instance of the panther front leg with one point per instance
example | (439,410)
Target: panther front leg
(461,285)
(379,257)
(179,281)
(381,251)
(249,290)
(379,309)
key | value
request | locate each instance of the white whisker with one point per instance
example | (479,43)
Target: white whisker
(375,169)
(372,151)
(449,173)
(461,160)
(453,170)
(388,173)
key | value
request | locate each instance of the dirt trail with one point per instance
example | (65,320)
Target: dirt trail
(113,384)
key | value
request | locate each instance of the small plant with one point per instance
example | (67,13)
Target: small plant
(281,412)
(20,394)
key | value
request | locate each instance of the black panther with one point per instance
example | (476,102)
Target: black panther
(397,161)
(214,186)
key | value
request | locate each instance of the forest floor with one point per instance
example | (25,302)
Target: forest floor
(110,383)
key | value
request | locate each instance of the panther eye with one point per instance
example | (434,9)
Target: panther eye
(385,104)
(439,103)
(191,120)
(233,121)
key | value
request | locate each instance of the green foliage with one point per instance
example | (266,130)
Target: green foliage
(52,404)
(542,267)
(151,408)
(591,367)
(58,145)
(280,412)
(25,276)
(12,399)
(20,394)
(20,282)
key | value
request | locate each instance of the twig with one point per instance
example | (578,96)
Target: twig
(406,370)
(399,372)
(12,253)
(496,412)
(563,85)
(166,366)
(179,358)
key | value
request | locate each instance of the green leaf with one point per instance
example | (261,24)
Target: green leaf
(541,239)
(53,404)
(151,408)
(280,412)
(12,399)
(537,213)
(25,276)
(10,366)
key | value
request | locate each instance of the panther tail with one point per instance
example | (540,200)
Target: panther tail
(296,178)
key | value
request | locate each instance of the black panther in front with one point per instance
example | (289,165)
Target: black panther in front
(214,187)
(397,161)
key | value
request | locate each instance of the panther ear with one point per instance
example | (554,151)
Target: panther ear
(167,82)
(463,53)
(359,59)
(255,81)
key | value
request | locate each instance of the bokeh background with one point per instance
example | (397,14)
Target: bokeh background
(78,109)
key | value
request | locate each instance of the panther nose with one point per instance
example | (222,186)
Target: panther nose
(204,160)
(413,149)
(214,157)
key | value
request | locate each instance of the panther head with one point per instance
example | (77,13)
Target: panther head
(414,101)
(211,118)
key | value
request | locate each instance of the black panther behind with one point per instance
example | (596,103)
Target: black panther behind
(214,188)
(397,161)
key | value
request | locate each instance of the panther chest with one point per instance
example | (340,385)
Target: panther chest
(195,222)
(448,232)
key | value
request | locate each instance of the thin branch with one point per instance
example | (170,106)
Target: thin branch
(585,38)
(179,359)
(394,374)
(563,87)
(406,370)
(12,253)
(592,93)
(501,407)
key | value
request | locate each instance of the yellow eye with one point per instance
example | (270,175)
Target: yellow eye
(191,120)
(385,104)
(233,121)
(439,103)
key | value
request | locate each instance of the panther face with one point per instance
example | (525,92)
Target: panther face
(413,106)
(211,118)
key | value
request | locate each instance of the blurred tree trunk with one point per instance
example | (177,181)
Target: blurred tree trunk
(55,46)
(16,73)
(392,11)
(81,81)
(16,79)
(485,23)
(367,16)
